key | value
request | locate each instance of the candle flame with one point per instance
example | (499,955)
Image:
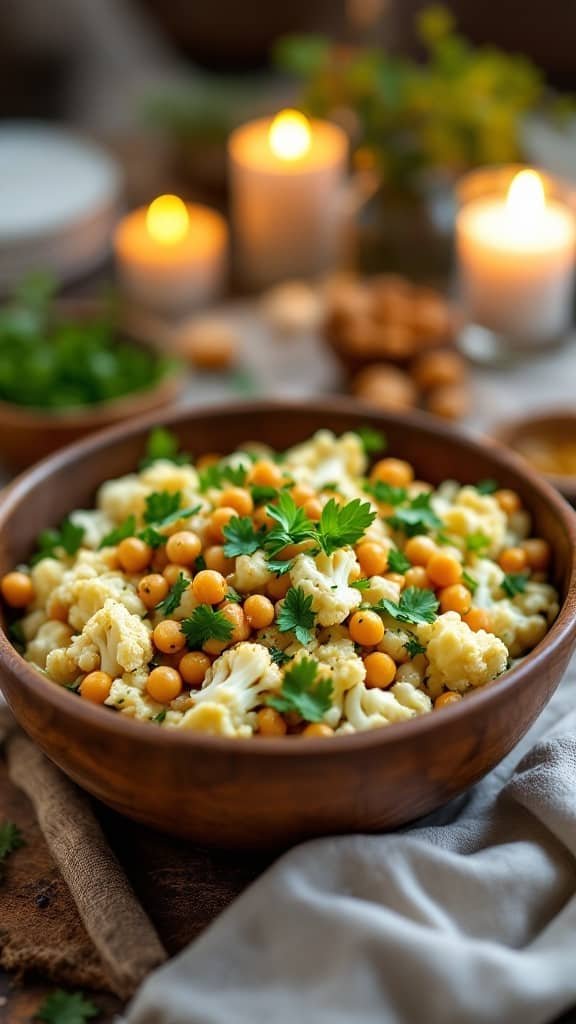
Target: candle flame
(526,197)
(289,135)
(167,220)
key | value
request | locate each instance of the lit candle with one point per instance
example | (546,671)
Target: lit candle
(516,258)
(287,178)
(171,255)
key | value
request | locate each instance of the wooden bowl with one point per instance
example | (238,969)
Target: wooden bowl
(28,434)
(549,426)
(257,792)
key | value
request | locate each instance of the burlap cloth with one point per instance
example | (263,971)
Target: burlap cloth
(93,900)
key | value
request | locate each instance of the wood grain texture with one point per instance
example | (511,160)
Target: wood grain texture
(255,793)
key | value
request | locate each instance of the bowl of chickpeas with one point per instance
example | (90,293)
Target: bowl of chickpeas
(266,622)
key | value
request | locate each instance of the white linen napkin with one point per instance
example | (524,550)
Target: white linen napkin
(468,917)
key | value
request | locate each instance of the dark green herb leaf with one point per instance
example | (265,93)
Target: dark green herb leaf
(487,486)
(414,647)
(296,615)
(206,624)
(292,525)
(126,529)
(303,693)
(386,493)
(159,718)
(261,494)
(222,473)
(241,538)
(373,441)
(515,583)
(469,581)
(162,444)
(174,595)
(477,542)
(415,518)
(66,1008)
(10,838)
(343,525)
(397,561)
(280,566)
(161,505)
(16,634)
(278,657)
(234,596)
(360,584)
(415,605)
(69,538)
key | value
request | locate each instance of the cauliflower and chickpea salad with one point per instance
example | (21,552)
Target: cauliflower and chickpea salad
(321,591)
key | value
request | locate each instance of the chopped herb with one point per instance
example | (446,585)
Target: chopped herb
(415,605)
(386,493)
(333,485)
(162,444)
(360,584)
(66,1008)
(159,718)
(69,538)
(200,563)
(222,473)
(241,538)
(415,518)
(126,529)
(234,596)
(303,693)
(470,581)
(397,561)
(443,538)
(278,657)
(75,686)
(296,615)
(477,542)
(206,624)
(151,537)
(161,504)
(262,494)
(373,441)
(342,525)
(174,595)
(487,486)
(414,647)
(279,565)
(291,525)
(515,583)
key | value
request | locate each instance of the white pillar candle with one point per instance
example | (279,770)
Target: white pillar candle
(171,256)
(287,180)
(516,262)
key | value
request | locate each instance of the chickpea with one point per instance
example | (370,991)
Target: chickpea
(279,587)
(451,402)
(216,559)
(417,577)
(395,472)
(444,570)
(218,520)
(513,560)
(259,611)
(265,474)
(183,547)
(373,558)
(313,509)
(261,518)
(445,699)
(209,587)
(159,559)
(537,553)
(366,628)
(440,368)
(396,577)
(380,669)
(271,723)
(455,598)
(193,667)
(240,629)
(419,550)
(317,730)
(509,501)
(164,684)
(173,572)
(301,493)
(152,589)
(237,498)
(95,687)
(17,589)
(168,636)
(133,554)
(478,618)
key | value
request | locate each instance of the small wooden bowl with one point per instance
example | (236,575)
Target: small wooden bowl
(273,792)
(28,434)
(548,426)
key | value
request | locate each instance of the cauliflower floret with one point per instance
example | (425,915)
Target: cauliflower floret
(371,708)
(46,575)
(233,687)
(488,576)
(50,635)
(325,578)
(473,512)
(412,697)
(123,497)
(31,623)
(458,658)
(89,595)
(519,527)
(164,475)
(539,598)
(95,525)
(518,626)
(412,671)
(251,574)
(346,670)
(381,589)
(394,643)
(326,458)
(112,640)
(132,701)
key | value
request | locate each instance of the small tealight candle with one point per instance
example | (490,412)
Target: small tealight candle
(516,257)
(171,256)
(287,180)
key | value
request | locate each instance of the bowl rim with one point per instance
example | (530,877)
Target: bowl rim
(420,727)
(507,431)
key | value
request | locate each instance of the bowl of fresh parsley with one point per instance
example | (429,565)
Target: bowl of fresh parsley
(68,367)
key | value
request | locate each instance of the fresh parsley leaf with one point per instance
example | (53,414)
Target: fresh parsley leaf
(291,525)
(360,584)
(342,525)
(515,583)
(373,441)
(126,529)
(174,595)
(160,505)
(487,486)
(66,1008)
(414,647)
(75,686)
(386,493)
(234,596)
(206,624)
(200,563)
(397,561)
(477,542)
(151,536)
(240,537)
(470,581)
(69,537)
(220,473)
(163,444)
(10,839)
(303,692)
(296,615)
(278,657)
(279,565)
(415,605)
(159,718)
(416,517)
(332,485)
(262,494)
